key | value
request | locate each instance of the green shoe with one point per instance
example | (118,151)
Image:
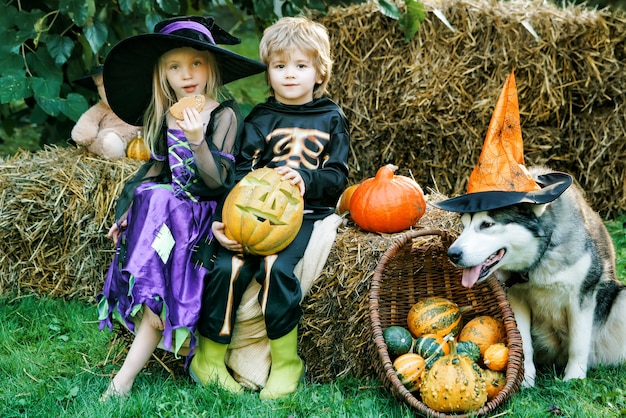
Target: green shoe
(208,366)
(287,369)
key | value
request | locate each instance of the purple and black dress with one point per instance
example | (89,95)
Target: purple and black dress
(159,258)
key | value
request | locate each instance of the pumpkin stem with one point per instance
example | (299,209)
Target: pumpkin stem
(450,339)
(392,167)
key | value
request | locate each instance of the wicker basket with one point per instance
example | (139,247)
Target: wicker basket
(417,266)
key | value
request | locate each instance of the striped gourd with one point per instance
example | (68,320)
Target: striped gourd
(434,315)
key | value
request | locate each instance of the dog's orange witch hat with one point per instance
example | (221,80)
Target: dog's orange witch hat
(500,178)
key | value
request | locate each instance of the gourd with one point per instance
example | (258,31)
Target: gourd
(344,201)
(410,369)
(484,331)
(387,203)
(496,357)
(434,315)
(469,349)
(398,339)
(494,381)
(263,212)
(454,383)
(137,148)
(431,347)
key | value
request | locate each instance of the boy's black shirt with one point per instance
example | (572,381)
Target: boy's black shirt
(312,138)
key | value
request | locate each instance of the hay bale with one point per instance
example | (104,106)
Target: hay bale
(56,206)
(425,106)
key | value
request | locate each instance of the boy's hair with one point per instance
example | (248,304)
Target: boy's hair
(302,34)
(163,97)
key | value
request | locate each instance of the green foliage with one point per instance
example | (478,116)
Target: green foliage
(409,21)
(46,44)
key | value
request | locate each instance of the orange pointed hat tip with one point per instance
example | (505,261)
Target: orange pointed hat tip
(501,162)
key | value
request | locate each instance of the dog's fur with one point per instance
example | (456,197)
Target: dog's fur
(559,262)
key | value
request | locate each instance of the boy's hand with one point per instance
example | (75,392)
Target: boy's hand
(295,178)
(219,233)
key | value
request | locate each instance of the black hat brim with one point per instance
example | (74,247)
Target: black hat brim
(86,81)
(552,186)
(129,67)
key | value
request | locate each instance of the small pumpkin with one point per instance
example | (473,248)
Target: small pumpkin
(496,357)
(343,205)
(469,349)
(431,347)
(454,383)
(434,315)
(483,330)
(387,203)
(410,370)
(398,339)
(263,212)
(138,149)
(494,381)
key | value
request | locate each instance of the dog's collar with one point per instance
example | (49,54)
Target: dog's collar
(517,278)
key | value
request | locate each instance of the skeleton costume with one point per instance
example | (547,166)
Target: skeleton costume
(314,140)
(162,255)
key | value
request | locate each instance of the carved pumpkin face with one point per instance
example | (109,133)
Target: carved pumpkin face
(262,212)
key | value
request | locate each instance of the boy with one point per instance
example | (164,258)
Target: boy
(305,137)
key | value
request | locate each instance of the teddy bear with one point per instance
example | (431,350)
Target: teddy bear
(99,129)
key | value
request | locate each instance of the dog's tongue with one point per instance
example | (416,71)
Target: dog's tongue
(470,276)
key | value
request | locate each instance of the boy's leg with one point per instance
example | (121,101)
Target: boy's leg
(226,283)
(282,296)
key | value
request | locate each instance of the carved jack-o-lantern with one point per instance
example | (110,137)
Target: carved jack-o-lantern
(262,212)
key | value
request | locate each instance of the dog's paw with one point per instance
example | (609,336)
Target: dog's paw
(528,382)
(574,371)
(529,375)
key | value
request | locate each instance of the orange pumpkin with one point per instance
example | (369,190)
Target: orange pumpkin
(344,201)
(496,357)
(484,331)
(387,203)
(495,382)
(263,212)
(434,315)
(410,369)
(137,148)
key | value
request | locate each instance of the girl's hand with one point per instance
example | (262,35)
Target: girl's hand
(289,173)
(192,126)
(219,233)
(116,230)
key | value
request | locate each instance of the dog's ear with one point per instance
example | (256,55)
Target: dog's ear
(538,210)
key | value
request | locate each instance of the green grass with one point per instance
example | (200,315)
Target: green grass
(55,362)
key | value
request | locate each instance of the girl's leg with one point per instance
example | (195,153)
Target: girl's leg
(144,344)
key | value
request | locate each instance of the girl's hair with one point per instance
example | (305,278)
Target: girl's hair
(163,97)
(299,34)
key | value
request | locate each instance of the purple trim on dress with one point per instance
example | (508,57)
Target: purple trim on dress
(224,154)
(187,24)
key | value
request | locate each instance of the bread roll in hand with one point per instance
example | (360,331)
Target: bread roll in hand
(196,102)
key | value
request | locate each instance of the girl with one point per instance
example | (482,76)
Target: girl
(162,230)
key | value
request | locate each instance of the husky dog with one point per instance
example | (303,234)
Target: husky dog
(559,262)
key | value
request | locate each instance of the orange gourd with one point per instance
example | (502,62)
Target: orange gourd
(434,315)
(263,212)
(410,369)
(137,148)
(495,382)
(387,203)
(454,383)
(484,331)
(496,357)
(344,201)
